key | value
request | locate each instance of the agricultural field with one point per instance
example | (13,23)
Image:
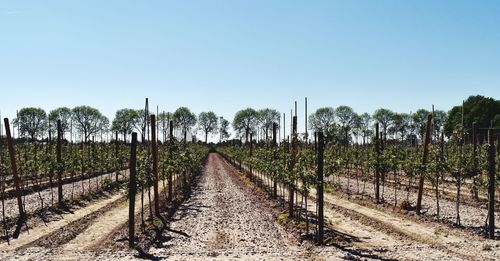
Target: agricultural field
(249,130)
(388,187)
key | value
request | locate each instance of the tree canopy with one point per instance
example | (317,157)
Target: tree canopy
(321,119)
(31,122)
(64,115)
(346,117)
(479,109)
(244,121)
(266,118)
(385,118)
(89,120)
(223,128)
(208,122)
(124,121)
(184,119)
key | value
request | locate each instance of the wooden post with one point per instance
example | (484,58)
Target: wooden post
(154,152)
(315,142)
(291,190)
(321,144)
(498,144)
(305,126)
(284,126)
(275,183)
(12,155)
(60,198)
(377,165)
(50,133)
(475,161)
(169,174)
(424,163)
(117,155)
(251,153)
(132,191)
(491,187)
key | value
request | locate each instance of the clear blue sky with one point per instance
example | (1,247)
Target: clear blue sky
(228,55)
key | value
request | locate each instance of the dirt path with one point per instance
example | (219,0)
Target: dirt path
(36,233)
(224,220)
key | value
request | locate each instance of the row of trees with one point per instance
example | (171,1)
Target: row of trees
(34,122)
(85,121)
(343,124)
(251,121)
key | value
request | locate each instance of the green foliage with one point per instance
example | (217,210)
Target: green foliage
(89,120)
(64,115)
(184,119)
(244,121)
(208,122)
(124,120)
(322,119)
(266,117)
(31,122)
(384,117)
(479,109)
(448,161)
(223,129)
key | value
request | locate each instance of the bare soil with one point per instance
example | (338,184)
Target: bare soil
(226,217)
(224,220)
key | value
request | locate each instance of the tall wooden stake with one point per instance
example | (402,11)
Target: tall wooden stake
(275,182)
(377,166)
(132,191)
(117,155)
(291,190)
(424,163)
(305,126)
(284,126)
(154,152)
(13,165)
(321,144)
(475,161)
(491,187)
(251,154)
(170,151)
(60,170)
